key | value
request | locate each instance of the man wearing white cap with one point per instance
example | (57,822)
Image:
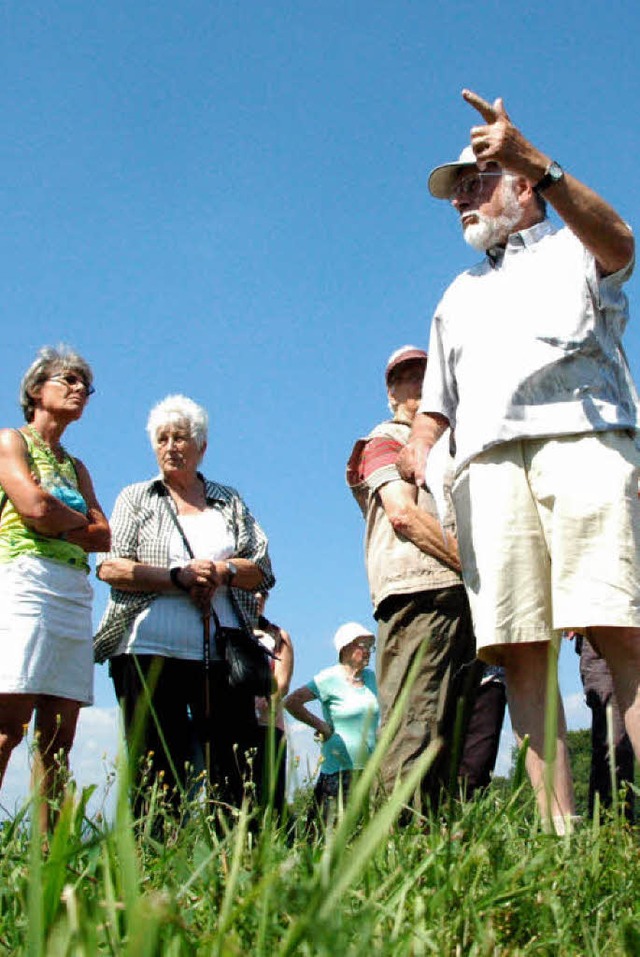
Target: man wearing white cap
(527,365)
(414,578)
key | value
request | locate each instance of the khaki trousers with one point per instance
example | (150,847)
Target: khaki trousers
(438,621)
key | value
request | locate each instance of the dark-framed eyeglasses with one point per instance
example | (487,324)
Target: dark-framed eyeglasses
(71,380)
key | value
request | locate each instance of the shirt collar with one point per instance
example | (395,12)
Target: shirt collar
(212,490)
(520,240)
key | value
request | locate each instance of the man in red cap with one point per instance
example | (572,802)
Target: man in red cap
(418,598)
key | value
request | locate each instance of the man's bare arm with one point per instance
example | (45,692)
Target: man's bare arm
(594,221)
(426,430)
(412,522)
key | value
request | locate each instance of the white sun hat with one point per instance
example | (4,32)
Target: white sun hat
(349,632)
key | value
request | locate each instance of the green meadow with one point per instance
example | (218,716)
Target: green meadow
(480,878)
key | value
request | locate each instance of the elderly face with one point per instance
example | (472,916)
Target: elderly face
(405,386)
(358,653)
(176,450)
(488,206)
(64,392)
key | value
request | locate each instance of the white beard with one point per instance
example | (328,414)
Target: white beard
(490,231)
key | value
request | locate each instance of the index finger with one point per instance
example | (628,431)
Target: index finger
(485,109)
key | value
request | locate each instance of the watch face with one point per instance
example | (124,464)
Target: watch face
(555,172)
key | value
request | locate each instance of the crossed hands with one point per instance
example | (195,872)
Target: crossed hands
(202,578)
(499,141)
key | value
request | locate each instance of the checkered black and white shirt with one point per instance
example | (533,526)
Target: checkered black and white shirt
(141,529)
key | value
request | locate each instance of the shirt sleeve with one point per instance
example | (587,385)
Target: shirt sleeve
(124,531)
(378,462)
(609,294)
(440,391)
(370,681)
(313,688)
(252,543)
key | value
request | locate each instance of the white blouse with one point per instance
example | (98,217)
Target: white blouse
(172,625)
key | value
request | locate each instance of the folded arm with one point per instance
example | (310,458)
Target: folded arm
(39,510)
(399,500)
(96,535)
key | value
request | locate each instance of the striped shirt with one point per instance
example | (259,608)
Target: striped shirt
(141,529)
(378,464)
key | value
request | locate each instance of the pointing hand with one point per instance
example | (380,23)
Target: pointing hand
(499,141)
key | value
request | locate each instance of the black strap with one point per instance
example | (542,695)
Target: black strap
(176,522)
(206,615)
(219,632)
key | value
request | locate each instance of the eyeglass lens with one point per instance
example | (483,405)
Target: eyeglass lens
(71,379)
(470,186)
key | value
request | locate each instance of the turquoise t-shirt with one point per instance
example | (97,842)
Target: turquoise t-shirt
(353,713)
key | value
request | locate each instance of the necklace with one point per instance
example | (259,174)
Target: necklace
(353,679)
(48,451)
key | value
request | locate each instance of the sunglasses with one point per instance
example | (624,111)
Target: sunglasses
(471,186)
(71,380)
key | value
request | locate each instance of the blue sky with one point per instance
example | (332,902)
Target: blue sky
(228,200)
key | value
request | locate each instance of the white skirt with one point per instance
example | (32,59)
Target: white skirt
(45,629)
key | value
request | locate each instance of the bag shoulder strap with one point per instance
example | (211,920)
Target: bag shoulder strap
(219,629)
(176,521)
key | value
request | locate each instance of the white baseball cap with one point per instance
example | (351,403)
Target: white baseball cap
(442,179)
(349,632)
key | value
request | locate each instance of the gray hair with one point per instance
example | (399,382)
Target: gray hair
(511,178)
(48,362)
(179,410)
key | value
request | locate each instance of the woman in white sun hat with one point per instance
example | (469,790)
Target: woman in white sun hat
(348,695)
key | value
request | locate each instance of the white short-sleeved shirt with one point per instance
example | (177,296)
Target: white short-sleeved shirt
(530,345)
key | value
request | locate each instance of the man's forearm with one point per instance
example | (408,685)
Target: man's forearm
(426,533)
(428,427)
(594,221)
(418,526)
(426,430)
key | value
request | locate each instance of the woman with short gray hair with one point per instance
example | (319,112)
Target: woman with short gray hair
(49,520)
(50,360)
(181,544)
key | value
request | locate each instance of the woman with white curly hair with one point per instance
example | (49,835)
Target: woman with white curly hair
(181,543)
(49,520)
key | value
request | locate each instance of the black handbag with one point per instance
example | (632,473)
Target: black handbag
(247,660)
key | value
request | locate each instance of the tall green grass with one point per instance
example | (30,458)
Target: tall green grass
(480,878)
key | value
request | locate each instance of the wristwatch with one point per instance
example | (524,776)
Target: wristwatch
(233,571)
(553,174)
(173,575)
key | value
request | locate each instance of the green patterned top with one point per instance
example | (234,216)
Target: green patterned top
(15,538)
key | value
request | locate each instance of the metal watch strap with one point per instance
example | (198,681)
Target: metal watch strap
(232,568)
